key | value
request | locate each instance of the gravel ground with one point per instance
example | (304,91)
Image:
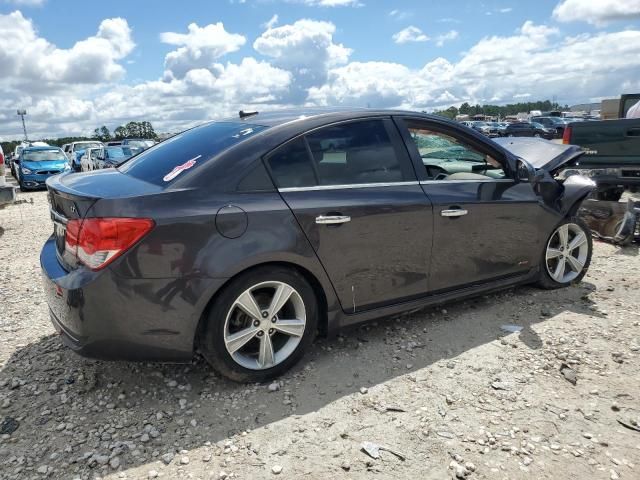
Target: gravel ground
(447,390)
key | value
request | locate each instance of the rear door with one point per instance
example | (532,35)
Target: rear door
(485,222)
(354,192)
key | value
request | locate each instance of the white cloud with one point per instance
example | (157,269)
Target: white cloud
(299,64)
(505,10)
(409,34)
(199,48)
(29,61)
(272,22)
(597,12)
(446,37)
(27,3)
(306,49)
(400,14)
(496,69)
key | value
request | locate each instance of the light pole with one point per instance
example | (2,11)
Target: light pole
(22,113)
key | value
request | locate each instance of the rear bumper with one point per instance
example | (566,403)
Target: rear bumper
(101,315)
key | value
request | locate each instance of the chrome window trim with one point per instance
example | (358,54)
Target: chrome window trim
(346,186)
(499,180)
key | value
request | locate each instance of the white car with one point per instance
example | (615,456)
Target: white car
(88,161)
(74,147)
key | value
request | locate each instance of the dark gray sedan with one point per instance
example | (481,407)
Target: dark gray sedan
(244,238)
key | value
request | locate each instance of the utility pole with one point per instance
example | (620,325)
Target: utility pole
(22,113)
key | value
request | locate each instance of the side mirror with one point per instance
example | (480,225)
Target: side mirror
(17,161)
(526,172)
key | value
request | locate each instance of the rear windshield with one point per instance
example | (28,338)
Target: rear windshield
(166,161)
(43,155)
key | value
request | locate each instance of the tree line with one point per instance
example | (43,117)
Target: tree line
(130,130)
(500,110)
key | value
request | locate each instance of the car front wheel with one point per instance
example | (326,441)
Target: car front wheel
(260,325)
(567,254)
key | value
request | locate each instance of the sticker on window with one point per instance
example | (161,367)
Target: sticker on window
(180,168)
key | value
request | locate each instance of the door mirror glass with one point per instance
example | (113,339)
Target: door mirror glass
(526,172)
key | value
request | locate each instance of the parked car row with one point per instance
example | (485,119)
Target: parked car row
(32,163)
(538,126)
(96,158)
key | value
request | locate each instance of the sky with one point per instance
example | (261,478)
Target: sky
(78,65)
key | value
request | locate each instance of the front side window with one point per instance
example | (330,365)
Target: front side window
(448,158)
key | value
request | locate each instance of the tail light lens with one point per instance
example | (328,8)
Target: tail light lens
(566,136)
(97,242)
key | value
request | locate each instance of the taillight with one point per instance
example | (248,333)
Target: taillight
(1,157)
(566,136)
(97,242)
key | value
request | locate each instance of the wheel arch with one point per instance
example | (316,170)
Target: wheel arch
(314,282)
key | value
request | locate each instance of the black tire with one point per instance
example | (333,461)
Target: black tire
(545,280)
(211,341)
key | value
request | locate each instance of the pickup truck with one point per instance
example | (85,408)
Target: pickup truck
(612,155)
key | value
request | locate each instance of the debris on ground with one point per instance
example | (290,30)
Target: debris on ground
(373,450)
(475,394)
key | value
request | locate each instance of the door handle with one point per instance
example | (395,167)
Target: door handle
(332,219)
(456,212)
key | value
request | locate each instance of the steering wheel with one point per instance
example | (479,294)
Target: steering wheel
(436,173)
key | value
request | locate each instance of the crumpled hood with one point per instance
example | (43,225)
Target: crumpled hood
(541,153)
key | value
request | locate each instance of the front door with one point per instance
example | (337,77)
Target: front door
(485,222)
(354,193)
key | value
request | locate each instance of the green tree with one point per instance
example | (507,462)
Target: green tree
(105,134)
(120,132)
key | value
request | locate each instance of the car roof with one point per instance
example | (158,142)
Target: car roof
(280,117)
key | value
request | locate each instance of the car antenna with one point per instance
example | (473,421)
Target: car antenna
(244,114)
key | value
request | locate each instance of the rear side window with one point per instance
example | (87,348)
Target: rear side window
(167,161)
(291,167)
(346,154)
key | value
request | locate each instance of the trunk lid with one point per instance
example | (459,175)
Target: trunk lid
(541,153)
(72,195)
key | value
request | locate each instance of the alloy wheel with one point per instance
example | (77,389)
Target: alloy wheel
(264,325)
(567,252)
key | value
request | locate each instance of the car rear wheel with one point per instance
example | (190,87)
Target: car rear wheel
(567,254)
(260,325)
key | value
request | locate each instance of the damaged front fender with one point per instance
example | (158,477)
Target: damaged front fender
(575,189)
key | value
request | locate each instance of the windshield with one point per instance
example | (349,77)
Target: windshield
(140,143)
(84,146)
(166,161)
(117,152)
(44,155)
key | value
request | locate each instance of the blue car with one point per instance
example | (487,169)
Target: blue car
(111,157)
(36,164)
